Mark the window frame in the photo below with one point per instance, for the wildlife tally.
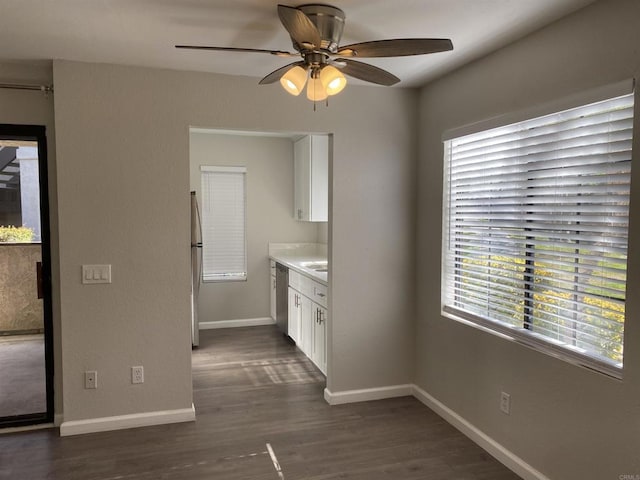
(522, 334)
(227, 276)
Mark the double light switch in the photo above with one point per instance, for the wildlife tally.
(96, 274)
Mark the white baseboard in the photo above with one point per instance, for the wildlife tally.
(58, 418)
(244, 322)
(504, 456)
(92, 425)
(352, 396)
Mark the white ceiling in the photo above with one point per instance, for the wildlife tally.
(144, 32)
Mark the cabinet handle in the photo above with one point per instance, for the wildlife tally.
(321, 295)
(39, 280)
(297, 301)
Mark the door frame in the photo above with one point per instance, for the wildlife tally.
(38, 133)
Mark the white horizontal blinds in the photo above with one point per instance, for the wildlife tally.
(223, 223)
(536, 226)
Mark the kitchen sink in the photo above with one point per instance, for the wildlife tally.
(320, 266)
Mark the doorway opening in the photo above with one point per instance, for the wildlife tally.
(26, 337)
(248, 185)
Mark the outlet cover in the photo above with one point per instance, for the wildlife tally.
(137, 374)
(505, 403)
(90, 379)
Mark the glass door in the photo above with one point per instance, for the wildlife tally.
(26, 360)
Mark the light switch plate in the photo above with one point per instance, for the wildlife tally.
(96, 274)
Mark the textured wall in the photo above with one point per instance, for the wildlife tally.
(566, 421)
(123, 178)
(20, 307)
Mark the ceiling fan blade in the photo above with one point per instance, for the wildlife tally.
(279, 53)
(276, 75)
(302, 30)
(400, 47)
(366, 72)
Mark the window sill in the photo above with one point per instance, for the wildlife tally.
(224, 279)
(534, 342)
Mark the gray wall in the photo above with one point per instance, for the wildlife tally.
(269, 162)
(568, 422)
(123, 175)
(34, 108)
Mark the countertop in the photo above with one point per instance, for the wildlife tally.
(296, 256)
(298, 264)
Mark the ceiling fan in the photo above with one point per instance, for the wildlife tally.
(316, 30)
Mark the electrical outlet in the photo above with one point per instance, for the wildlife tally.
(137, 374)
(505, 403)
(90, 379)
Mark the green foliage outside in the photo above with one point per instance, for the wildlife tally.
(12, 234)
(597, 325)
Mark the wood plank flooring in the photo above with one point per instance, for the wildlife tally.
(252, 388)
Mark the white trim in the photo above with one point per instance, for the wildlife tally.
(502, 454)
(367, 394)
(222, 169)
(571, 101)
(58, 418)
(119, 422)
(535, 342)
(243, 322)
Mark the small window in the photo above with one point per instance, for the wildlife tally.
(535, 231)
(224, 246)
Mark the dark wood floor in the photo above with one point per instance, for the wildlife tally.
(251, 388)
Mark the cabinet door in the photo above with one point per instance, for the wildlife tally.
(295, 312)
(306, 330)
(273, 297)
(319, 191)
(311, 185)
(302, 173)
(319, 355)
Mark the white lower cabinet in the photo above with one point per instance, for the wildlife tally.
(273, 297)
(295, 315)
(306, 327)
(308, 319)
(272, 266)
(319, 353)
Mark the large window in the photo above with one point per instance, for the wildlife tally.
(535, 231)
(224, 251)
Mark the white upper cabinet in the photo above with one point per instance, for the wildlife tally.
(311, 165)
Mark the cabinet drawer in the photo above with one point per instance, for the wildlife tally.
(295, 280)
(319, 294)
(313, 290)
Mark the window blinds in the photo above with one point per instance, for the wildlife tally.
(535, 232)
(223, 223)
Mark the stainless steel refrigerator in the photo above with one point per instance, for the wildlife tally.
(196, 268)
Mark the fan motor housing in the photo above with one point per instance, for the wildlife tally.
(328, 20)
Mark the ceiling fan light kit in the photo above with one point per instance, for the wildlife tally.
(332, 80)
(315, 91)
(315, 31)
(294, 80)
